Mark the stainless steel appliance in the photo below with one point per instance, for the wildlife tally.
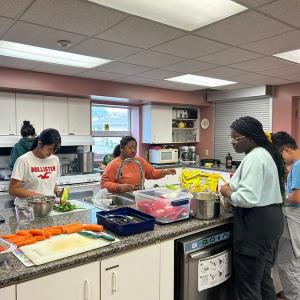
(184, 153)
(192, 154)
(84, 162)
(203, 265)
(163, 156)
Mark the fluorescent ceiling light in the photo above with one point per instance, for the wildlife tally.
(293, 55)
(106, 98)
(200, 80)
(185, 14)
(49, 56)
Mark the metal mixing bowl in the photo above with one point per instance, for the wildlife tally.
(42, 205)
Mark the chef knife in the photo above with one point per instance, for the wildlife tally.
(100, 235)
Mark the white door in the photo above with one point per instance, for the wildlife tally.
(131, 276)
(161, 124)
(8, 113)
(8, 293)
(80, 283)
(79, 116)
(56, 114)
(31, 108)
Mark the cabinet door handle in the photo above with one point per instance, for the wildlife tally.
(71, 133)
(86, 290)
(114, 282)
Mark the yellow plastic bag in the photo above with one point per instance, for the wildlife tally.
(198, 181)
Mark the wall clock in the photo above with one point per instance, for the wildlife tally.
(204, 123)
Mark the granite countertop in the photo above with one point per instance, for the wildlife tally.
(220, 168)
(19, 273)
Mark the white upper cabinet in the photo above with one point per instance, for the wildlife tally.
(157, 124)
(80, 283)
(132, 276)
(8, 114)
(8, 293)
(56, 114)
(31, 108)
(79, 116)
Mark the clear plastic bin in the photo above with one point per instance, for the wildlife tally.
(165, 205)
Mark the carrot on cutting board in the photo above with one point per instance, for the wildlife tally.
(28, 241)
(9, 236)
(93, 227)
(47, 234)
(35, 232)
(24, 233)
(16, 239)
(51, 227)
(71, 225)
(40, 237)
(72, 229)
(54, 231)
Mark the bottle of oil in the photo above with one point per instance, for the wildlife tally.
(228, 161)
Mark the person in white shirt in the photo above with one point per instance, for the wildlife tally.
(35, 172)
(255, 191)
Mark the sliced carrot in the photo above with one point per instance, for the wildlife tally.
(72, 229)
(24, 233)
(9, 236)
(40, 237)
(71, 224)
(17, 239)
(36, 232)
(93, 227)
(51, 227)
(28, 241)
(2, 248)
(48, 234)
(54, 231)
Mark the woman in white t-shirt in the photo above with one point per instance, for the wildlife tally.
(35, 172)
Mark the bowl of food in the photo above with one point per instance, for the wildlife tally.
(42, 205)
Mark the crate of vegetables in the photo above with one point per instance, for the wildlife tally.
(165, 205)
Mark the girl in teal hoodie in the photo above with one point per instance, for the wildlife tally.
(24, 144)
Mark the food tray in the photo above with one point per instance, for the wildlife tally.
(6, 246)
(141, 221)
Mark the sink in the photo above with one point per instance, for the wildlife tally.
(118, 200)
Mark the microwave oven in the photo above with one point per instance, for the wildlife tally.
(163, 156)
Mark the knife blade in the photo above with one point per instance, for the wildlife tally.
(100, 235)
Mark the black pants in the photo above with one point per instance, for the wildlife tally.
(256, 235)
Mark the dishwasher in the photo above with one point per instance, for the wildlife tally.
(203, 265)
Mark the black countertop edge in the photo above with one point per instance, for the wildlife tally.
(19, 273)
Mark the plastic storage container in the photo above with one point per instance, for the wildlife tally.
(125, 220)
(165, 205)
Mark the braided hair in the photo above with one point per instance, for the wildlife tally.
(253, 129)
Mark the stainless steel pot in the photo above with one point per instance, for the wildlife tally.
(205, 206)
(42, 205)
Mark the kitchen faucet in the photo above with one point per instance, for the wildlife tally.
(126, 161)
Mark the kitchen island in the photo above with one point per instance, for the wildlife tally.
(18, 273)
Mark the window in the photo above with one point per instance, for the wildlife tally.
(109, 125)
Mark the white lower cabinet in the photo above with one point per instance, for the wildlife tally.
(132, 276)
(8, 293)
(80, 283)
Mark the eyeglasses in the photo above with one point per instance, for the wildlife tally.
(233, 140)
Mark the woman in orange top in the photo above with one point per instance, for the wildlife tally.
(130, 177)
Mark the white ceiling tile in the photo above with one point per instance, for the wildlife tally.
(229, 56)
(103, 49)
(235, 86)
(122, 68)
(58, 69)
(40, 36)
(277, 44)
(245, 78)
(261, 64)
(152, 59)
(134, 80)
(221, 73)
(24, 64)
(190, 46)
(190, 66)
(140, 32)
(253, 3)
(270, 81)
(287, 11)
(243, 28)
(99, 75)
(291, 76)
(291, 69)
(13, 8)
(175, 86)
(158, 74)
(4, 25)
(77, 16)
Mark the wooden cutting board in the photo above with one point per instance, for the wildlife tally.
(61, 246)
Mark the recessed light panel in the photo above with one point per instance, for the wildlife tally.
(106, 98)
(49, 56)
(200, 80)
(293, 55)
(184, 14)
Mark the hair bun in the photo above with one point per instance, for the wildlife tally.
(26, 123)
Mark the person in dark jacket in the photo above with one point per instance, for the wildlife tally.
(24, 144)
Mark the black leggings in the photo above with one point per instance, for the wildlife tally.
(256, 234)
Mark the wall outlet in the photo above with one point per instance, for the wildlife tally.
(206, 152)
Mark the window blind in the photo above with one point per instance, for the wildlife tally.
(227, 112)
